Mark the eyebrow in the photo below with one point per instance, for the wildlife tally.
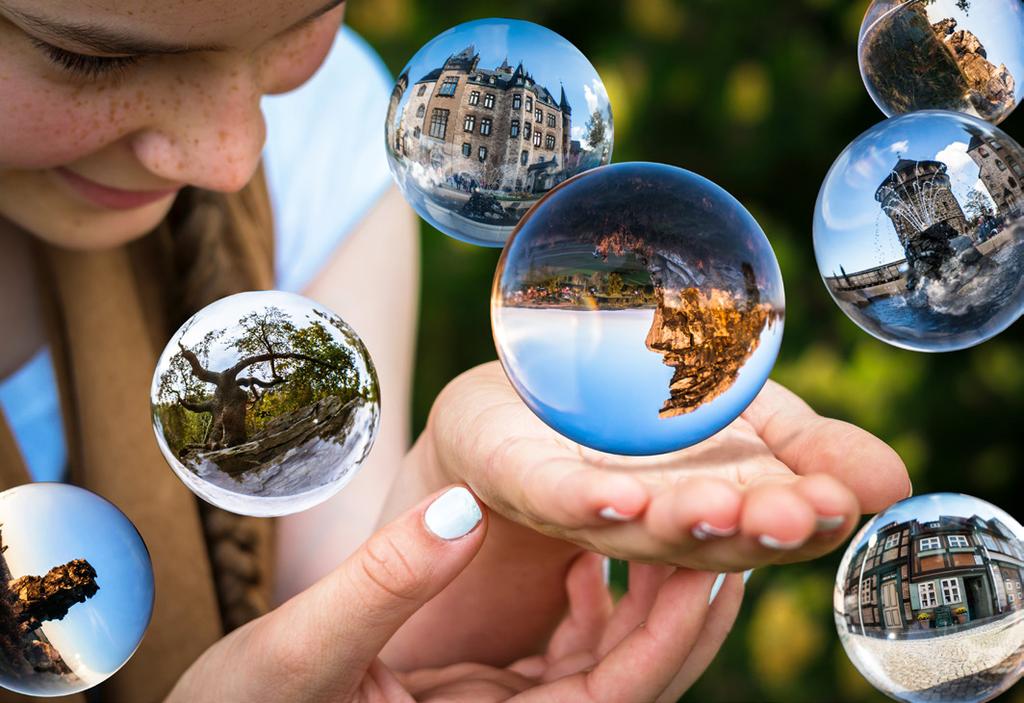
(107, 41)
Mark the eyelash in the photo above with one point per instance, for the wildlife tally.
(91, 67)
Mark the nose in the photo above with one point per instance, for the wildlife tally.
(213, 134)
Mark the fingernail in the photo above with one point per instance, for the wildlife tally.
(610, 513)
(746, 575)
(704, 530)
(606, 570)
(773, 543)
(453, 514)
(716, 587)
(911, 494)
(827, 523)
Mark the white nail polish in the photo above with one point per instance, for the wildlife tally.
(911, 494)
(610, 513)
(746, 575)
(832, 522)
(704, 530)
(453, 514)
(716, 587)
(606, 570)
(773, 543)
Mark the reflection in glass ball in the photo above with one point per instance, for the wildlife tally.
(962, 55)
(265, 403)
(486, 118)
(77, 589)
(928, 600)
(638, 308)
(919, 231)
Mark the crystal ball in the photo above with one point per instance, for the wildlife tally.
(918, 231)
(961, 55)
(638, 308)
(928, 600)
(265, 403)
(77, 589)
(486, 118)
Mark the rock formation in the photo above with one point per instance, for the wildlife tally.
(990, 88)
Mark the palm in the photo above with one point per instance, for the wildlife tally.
(651, 645)
(779, 484)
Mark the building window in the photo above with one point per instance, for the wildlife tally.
(526, 130)
(489, 101)
(529, 104)
(950, 591)
(517, 101)
(416, 133)
(865, 591)
(524, 157)
(958, 541)
(421, 110)
(467, 149)
(482, 154)
(551, 119)
(536, 137)
(485, 126)
(1009, 590)
(514, 129)
(474, 97)
(892, 540)
(538, 116)
(549, 141)
(469, 124)
(439, 122)
(1000, 165)
(983, 151)
(930, 543)
(422, 90)
(926, 592)
(449, 86)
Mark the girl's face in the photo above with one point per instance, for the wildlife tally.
(109, 107)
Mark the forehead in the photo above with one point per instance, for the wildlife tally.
(193, 21)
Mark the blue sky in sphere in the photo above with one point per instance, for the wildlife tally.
(552, 60)
(49, 524)
(850, 229)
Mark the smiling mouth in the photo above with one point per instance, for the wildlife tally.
(108, 197)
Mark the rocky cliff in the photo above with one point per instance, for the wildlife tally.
(990, 89)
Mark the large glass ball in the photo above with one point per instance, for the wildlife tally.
(265, 403)
(76, 589)
(928, 600)
(962, 55)
(919, 231)
(638, 308)
(486, 118)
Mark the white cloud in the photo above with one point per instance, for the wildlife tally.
(960, 166)
(595, 95)
(900, 147)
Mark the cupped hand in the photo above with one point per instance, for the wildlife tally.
(780, 484)
(650, 646)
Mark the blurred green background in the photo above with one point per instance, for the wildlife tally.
(760, 97)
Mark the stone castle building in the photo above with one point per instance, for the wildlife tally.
(496, 129)
(924, 575)
(917, 195)
(1002, 172)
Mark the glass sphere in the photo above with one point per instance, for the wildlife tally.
(265, 403)
(638, 308)
(961, 55)
(486, 118)
(919, 231)
(77, 589)
(928, 600)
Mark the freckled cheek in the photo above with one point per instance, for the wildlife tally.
(292, 63)
(47, 127)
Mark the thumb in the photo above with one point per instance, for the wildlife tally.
(356, 609)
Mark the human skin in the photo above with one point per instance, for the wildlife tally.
(192, 118)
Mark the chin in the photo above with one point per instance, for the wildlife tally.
(90, 229)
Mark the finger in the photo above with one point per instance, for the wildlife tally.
(641, 666)
(467, 681)
(518, 465)
(326, 636)
(590, 606)
(776, 517)
(809, 443)
(719, 622)
(645, 582)
(694, 511)
(386, 686)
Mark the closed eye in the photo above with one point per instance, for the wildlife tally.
(91, 67)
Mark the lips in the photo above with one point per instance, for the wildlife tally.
(111, 198)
